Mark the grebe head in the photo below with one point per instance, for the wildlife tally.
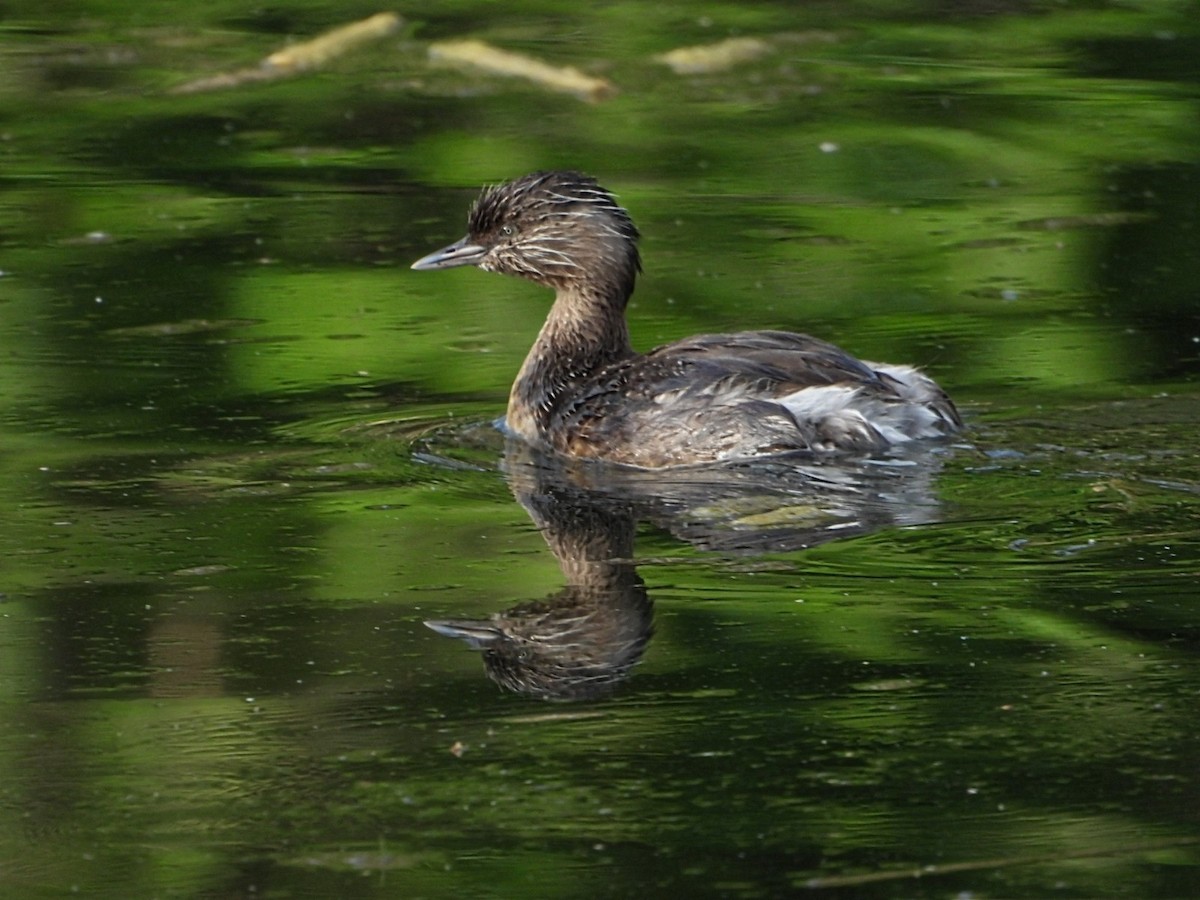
(559, 229)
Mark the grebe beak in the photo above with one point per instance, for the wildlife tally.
(478, 635)
(460, 253)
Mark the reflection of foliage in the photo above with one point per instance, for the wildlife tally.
(934, 158)
(914, 231)
(215, 568)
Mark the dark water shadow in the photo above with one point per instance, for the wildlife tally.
(583, 640)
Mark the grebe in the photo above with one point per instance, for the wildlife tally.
(583, 391)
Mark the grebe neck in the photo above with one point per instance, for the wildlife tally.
(584, 332)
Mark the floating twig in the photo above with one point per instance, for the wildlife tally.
(718, 57)
(495, 61)
(302, 57)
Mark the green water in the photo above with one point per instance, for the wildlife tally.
(246, 453)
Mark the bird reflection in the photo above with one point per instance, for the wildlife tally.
(579, 642)
(583, 640)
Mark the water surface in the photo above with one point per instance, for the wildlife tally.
(247, 454)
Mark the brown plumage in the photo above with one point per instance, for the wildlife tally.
(584, 392)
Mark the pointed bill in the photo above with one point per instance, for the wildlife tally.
(460, 253)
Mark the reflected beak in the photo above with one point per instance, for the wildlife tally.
(460, 253)
(479, 635)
